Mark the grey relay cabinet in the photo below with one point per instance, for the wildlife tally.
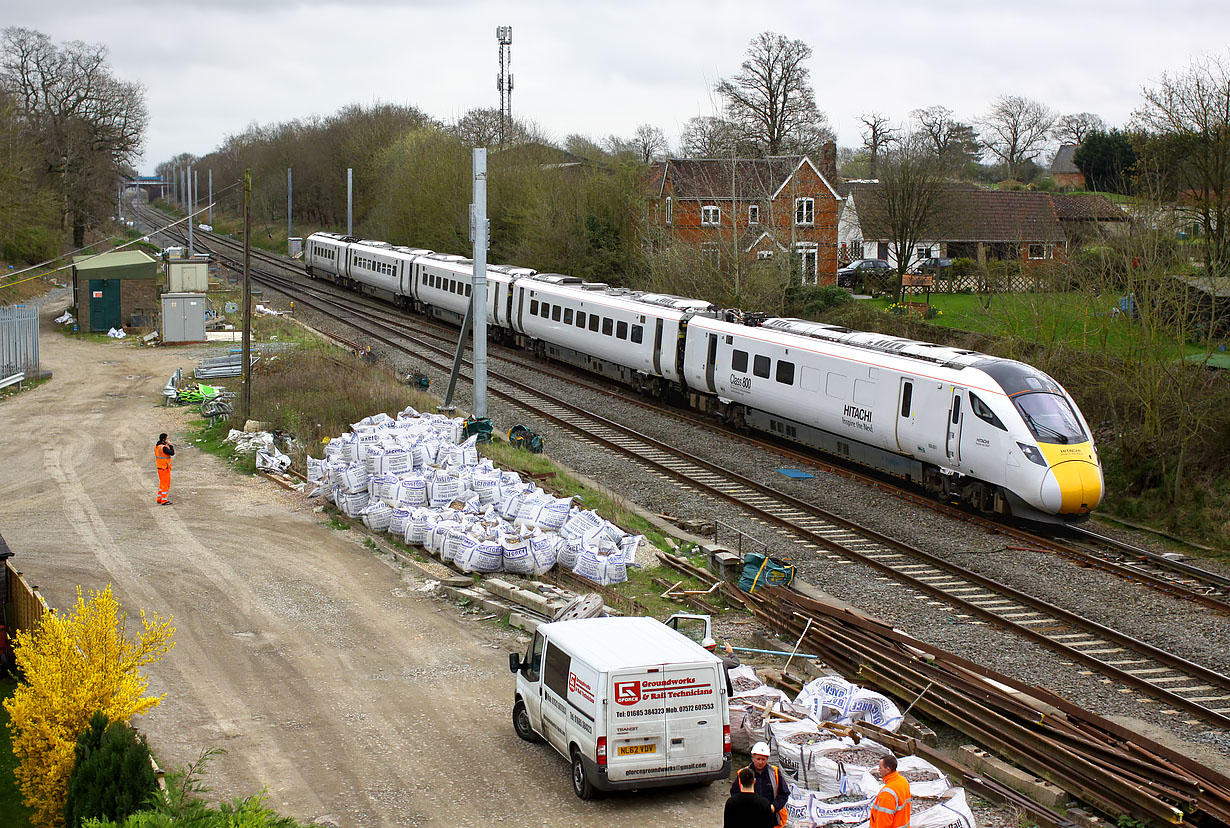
(183, 317)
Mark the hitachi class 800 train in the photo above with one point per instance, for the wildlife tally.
(996, 434)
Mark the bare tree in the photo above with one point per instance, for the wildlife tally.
(480, 127)
(1193, 109)
(953, 142)
(707, 136)
(910, 205)
(651, 142)
(771, 98)
(1075, 127)
(88, 123)
(878, 135)
(1016, 129)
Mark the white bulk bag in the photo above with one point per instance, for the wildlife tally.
(821, 812)
(398, 522)
(516, 553)
(315, 470)
(380, 486)
(954, 811)
(353, 479)
(484, 555)
(568, 552)
(924, 788)
(544, 512)
(353, 503)
(377, 515)
(418, 527)
(411, 491)
(606, 569)
(807, 763)
(628, 547)
(580, 523)
(442, 490)
(543, 553)
(372, 456)
(434, 541)
(875, 708)
(744, 679)
(486, 485)
(826, 698)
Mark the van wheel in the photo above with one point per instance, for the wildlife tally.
(521, 723)
(580, 782)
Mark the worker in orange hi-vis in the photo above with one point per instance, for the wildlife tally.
(163, 452)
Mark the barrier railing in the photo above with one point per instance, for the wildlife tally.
(19, 341)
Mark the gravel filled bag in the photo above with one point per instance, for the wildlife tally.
(568, 552)
(418, 526)
(486, 485)
(442, 490)
(926, 780)
(455, 542)
(953, 812)
(516, 553)
(353, 479)
(544, 512)
(605, 569)
(543, 553)
(804, 755)
(398, 521)
(377, 515)
(372, 456)
(315, 470)
(875, 708)
(397, 461)
(411, 491)
(353, 503)
(844, 810)
(380, 487)
(434, 541)
(628, 548)
(485, 554)
(827, 698)
(511, 506)
(744, 679)
(747, 715)
(580, 523)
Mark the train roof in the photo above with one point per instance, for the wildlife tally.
(574, 284)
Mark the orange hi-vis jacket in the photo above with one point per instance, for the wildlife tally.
(162, 460)
(891, 808)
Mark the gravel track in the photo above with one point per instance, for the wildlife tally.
(1106, 599)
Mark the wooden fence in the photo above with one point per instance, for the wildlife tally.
(25, 604)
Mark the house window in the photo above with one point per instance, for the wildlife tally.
(711, 252)
(805, 211)
(710, 215)
(1041, 251)
(753, 214)
(669, 210)
(764, 254)
(807, 262)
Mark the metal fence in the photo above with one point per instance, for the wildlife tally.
(18, 341)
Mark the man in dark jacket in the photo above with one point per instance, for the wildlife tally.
(746, 808)
(769, 781)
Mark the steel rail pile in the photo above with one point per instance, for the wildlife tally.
(1105, 765)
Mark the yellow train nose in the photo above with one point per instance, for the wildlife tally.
(1072, 488)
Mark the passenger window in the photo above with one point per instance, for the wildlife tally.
(544, 310)
(785, 372)
(580, 319)
(621, 330)
(555, 313)
(738, 361)
(567, 316)
(468, 289)
(607, 326)
(533, 307)
(638, 334)
(555, 673)
(534, 663)
(760, 366)
(983, 412)
(593, 323)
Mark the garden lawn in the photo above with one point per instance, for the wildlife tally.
(13, 814)
(1074, 320)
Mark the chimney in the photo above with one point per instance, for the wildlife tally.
(828, 161)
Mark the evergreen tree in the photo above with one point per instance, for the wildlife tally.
(112, 776)
(1106, 160)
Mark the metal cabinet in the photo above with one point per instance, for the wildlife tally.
(183, 317)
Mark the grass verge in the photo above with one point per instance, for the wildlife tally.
(13, 813)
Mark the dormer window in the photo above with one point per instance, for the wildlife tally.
(710, 215)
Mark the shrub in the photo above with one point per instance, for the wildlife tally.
(810, 300)
(31, 245)
(112, 776)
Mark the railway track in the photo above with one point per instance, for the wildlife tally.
(1135, 664)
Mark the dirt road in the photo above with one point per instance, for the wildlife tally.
(329, 678)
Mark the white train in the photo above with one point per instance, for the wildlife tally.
(994, 433)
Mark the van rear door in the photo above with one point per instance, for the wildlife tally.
(665, 720)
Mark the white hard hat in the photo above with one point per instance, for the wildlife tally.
(708, 643)
(760, 749)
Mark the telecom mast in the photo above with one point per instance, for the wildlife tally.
(504, 82)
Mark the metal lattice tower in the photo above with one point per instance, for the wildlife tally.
(504, 81)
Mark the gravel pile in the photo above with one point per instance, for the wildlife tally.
(863, 757)
(1106, 599)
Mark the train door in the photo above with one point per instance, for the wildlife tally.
(711, 362)
(905, 415)
(657, 347)
(956, 414)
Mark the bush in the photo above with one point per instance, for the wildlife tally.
(810, 300)
(31, 245)
(112, 776)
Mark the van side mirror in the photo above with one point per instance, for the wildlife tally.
(514, 662)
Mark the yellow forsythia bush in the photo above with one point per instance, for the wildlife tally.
(74, 664)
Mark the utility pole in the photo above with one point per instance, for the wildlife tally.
(349, 201)
(289, 190)
(191, 203)
(480, 234)
(246, 353)
(211, 198)
(504, 81)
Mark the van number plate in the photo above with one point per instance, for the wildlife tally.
(632, 750)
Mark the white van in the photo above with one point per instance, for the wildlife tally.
(632, 703)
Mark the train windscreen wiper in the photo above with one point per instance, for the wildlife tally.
(1036, 426)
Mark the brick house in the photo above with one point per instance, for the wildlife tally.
(979, 224)
(756, 208)
(1064, 170)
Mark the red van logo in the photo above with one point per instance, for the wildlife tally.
(627, 692)
(576, 685)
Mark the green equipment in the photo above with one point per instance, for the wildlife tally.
(521, 437)
(480, 427)
(762, 571)
(420, 381)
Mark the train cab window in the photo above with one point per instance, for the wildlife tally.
(983, 412)
(533, 307)
(738, 361)
(785, 372)
(638, 334)
(621, 330)
(593, 322)
(567, 316)
(608, 326)
(580, 319)
(555, 313)
(760, 366)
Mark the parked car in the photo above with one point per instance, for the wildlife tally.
(934, 266)
(853, 275)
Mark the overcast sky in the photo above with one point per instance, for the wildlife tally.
(212, 67)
